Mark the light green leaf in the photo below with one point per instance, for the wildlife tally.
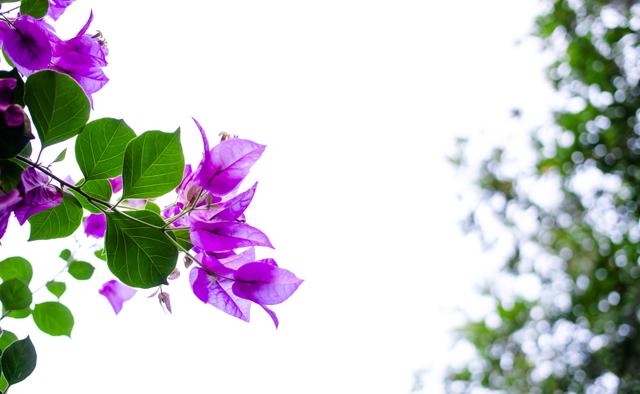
(138, 255)
(57, 222)
(18, 361)
(16, 268)
(57, 288)
(99, 188)
(35, 8)
(6, 339)
(53, 318)
(100, 148)
(58, 106)
(153, 165)
(153, 207)
(66, 255)
(81, 270)
(101, 254)
(15, 295)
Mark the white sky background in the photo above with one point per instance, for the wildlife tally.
(359, 103)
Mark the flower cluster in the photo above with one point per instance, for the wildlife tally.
(32, 45)
(34, 194)
(228, 275)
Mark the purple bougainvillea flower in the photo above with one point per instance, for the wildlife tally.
(12, 114)
(234, 208)
(238, 260)
(82, 58)
(116, 184)
(7, 203)
(28, 43)
(37, 195)
(95, 225)
(57, 8)
(224, 236)
(264, 283)
(117, 293)
(217, 292)
(7, 85)
(226, 164)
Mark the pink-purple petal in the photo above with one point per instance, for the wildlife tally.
(265, 284)
(95, 225)
(217, 292)
(116, 293)
(224, 236)
(235, 207)
(27, 44)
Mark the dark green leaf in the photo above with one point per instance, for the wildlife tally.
(16, 268)
(153, 165)
(53, 318)
(81, 270)
(100, 189)
(138, 255)
(18, 361)
(10, 173)
(35, 8)
(57, 222)
(15, 295)
(14, 139)
(57, 288)
(58, 105)
(100, 148)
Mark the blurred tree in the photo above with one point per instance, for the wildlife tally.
(581, 333)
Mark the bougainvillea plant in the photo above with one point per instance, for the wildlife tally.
(46, 90)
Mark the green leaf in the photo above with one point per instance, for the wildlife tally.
(66, 255)
(35, 8)
(183, 238)
(58, 105)
(57, 222)
(100, 189)
(53, 318)
(153, 165)
(100, 148)
(15, 295)
(56, 288)
(138, 255)
(10, 173)
(4, 53)
(101, 254)
(81, 270)
(19, 314)
(61, 156)
(153, 207)
(18, 361)
(16, 268)
(6, 339)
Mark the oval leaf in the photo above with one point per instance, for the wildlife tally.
(53, 318)
(15, 295)
(153, 165)
(99, 188)
(57, 222)
(138, 255)
(16, 268)
(57, 288)
(18, 361)
(35, 8)
(58, 105)
(81, 270)
(100, 148)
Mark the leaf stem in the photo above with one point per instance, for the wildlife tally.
(98, 203)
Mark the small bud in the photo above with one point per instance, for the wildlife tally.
(187, 261)
(174, 275)
(165, 300)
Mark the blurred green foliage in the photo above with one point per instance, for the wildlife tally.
(581, 333)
